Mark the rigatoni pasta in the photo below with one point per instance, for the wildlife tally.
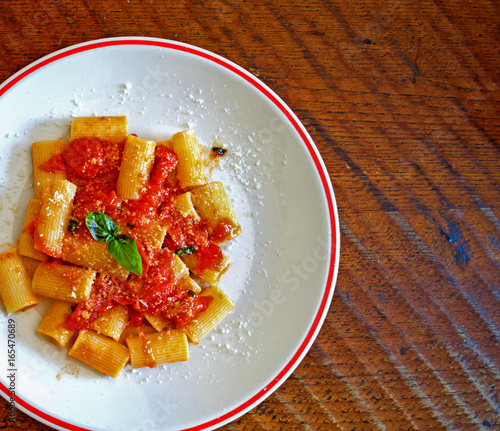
(54, 212)
(123, 236)
(78, 250)
(42, 152)
(52, 327)
(153, 235)
(100, 352)
(187, 283)
(158, 322)
(161, 348)
(113, 129)
(212, 274)
(113, 323)
(213, 206)
(138, 159)
(65, 282)
(30, 265)
(15, 284)
(184, 204)
(213, 315)
(191, 171)
(26, 245)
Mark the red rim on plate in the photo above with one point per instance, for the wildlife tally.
(321, 170)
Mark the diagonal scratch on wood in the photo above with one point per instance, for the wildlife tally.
(414, 64)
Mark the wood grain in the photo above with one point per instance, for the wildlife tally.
(402, 99)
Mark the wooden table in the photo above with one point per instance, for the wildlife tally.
(402, 99)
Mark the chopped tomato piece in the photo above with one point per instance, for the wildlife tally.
(84, 157)
(208, 257)
(54, 165)
(165, 162)
(222, 231)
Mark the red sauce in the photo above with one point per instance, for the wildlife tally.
(222, 231)
(93, 165)
(186, 232)
(165, 162)
(96, 196)
(86, 313)
(141, 212)
(55, 164)
(82, 157)
(113, 159)
(189, 308)
(158, 286)
(208, 257)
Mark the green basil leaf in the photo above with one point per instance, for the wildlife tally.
(219, 151)
(184, 251)
(101, 226)
(73, 225)
(124, 249)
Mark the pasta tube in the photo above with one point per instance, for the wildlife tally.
(53, 216)
(112, 323)
(91, 254)
(190, 168)
(187, 283)
(151, 236)
(211, 317)
(179, 268)
(42, 152)
(15, 285)
(184, 205)
(213, 206)
(52, 325)
(158, 348)
(100, 352)
(157, 321)
(212, 275)
(138, 159)
(26, 242)
(113, 129)
(64, 282)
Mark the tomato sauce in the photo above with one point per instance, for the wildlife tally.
(222, 231)
(208, 257)
(186, 232)
(165, 162)
(82, 158)
(141, 212)
(93, 165)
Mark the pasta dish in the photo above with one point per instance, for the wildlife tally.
(124, 236)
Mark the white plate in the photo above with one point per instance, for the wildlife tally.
(286, 260)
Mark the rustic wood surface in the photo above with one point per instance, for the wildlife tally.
(402, 99)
